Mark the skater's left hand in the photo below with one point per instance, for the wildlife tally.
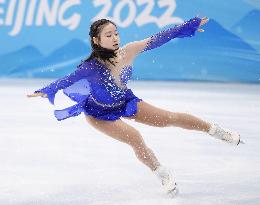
(37, 94)
(203, 21)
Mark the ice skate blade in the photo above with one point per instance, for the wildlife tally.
(241, 142)
(173, 193)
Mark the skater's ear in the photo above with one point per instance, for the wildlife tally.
(95, 40)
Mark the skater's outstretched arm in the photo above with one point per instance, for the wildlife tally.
(187, 29)
(85, 70)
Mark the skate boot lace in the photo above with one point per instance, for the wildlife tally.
(165, 179)
(225, 135)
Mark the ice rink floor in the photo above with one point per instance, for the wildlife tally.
(47, 162)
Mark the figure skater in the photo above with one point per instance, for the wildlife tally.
(99, 87)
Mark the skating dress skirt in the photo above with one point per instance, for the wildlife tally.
(95, 92)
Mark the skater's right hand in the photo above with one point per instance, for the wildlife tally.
(37, 94)
(204, 20)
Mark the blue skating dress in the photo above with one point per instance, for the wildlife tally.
(95, 90)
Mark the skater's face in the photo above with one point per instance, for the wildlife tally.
(108, 37)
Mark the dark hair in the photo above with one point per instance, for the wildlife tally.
(98, 51)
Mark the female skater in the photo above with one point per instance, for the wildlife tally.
(99, 86)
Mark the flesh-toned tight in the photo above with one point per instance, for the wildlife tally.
(149, 115)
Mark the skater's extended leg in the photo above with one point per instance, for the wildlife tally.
(123, 132)
(154, 116)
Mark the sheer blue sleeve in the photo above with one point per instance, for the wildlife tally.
(84, 71)
(187, 29)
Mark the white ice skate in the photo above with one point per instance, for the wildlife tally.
(224, 134)
(167, 181)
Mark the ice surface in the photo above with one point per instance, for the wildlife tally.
(44, 161)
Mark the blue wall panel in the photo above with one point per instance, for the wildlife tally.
(43, 38)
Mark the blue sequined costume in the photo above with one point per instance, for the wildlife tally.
(94, 89)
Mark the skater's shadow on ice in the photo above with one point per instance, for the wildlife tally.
(86, 194)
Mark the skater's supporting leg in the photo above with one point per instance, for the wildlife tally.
(154, 116)
(123, 132)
